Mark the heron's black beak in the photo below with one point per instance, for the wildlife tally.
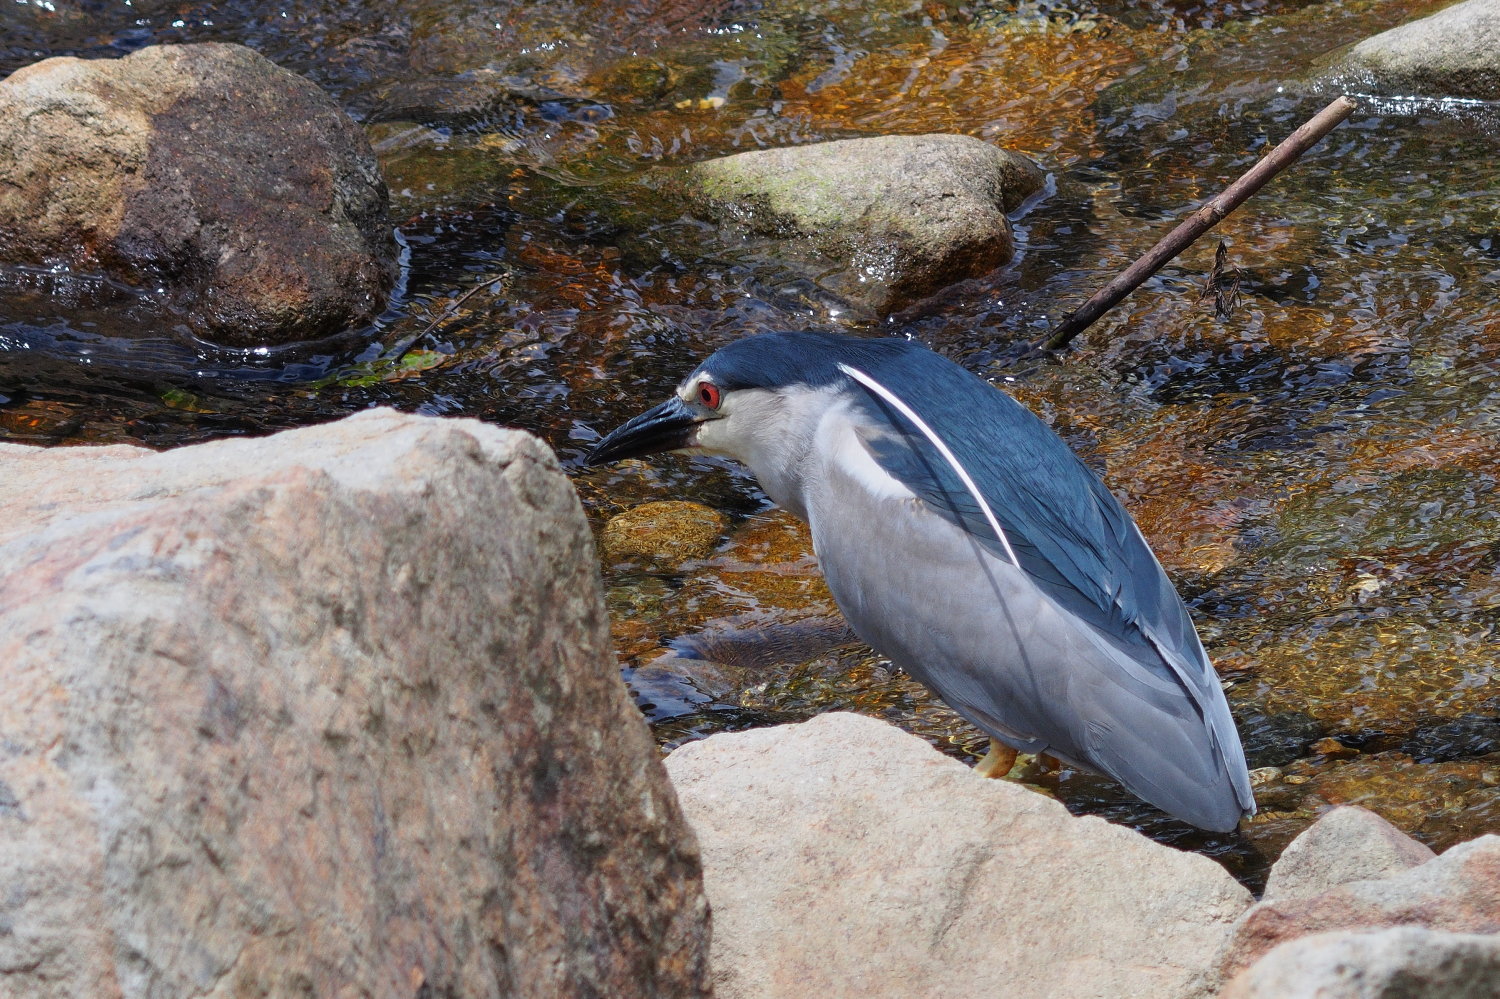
(661, 428)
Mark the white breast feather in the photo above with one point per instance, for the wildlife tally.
(838, 440)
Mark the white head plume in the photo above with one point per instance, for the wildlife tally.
(943, 449)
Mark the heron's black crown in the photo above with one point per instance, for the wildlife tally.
(804, 358)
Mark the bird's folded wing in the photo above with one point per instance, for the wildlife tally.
(1067, 531)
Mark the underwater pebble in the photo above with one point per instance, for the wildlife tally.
(662, 535)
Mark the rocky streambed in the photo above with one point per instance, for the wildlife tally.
(245, 671)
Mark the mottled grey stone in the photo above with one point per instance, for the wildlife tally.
(1453, 53)
(331, 712)
(846, 858)
(1456, 892)
(890, 219)
(1347, 844)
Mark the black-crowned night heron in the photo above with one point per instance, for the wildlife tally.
(964, 540)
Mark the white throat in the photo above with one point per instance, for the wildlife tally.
(773, 432)
(794, 440)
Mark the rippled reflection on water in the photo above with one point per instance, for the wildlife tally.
(1318, 472)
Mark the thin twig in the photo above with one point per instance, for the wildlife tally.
(403, 346)
(1205, 218)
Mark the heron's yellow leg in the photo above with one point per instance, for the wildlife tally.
(997, 762)
(1028, 767)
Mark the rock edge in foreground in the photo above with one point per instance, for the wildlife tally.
(844, 857)
(333, 712)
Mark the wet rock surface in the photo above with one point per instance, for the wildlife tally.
(843, 857)
(898, 217)
(283, 717)
(231, 193)
(1453, 53)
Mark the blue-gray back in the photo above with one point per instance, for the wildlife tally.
(1066, 529)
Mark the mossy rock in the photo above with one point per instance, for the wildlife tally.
(882, 221)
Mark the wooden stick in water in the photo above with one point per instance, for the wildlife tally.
(1205, 218)
(403, 347)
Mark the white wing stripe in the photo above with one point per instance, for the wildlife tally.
(937, 442)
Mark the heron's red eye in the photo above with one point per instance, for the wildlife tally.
(709, 395)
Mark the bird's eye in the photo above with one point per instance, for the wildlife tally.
(709, 395)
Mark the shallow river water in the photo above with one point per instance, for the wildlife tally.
(1318, 471)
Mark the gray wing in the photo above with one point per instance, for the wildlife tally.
(1001, 652)
(1069, 534)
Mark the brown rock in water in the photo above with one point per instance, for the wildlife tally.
(1347, 844)
(285, 716)
(774, 537)
(882, 221)
(844, 857)
(1457, 892)
(766, 576)
(235, 192)
(663, 534)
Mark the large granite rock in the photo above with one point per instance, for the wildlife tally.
(326, 713)
(1457, 892)
(1405, 962)
(1453, 53)
(235, 192)
(882, 221)
(843, 857)
(1347, 844)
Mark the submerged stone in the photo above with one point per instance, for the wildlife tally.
(1438, 803)
(765, 574)
(664, 534)
(1384, 677)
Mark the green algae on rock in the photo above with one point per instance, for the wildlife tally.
(891, 219)
(1453, 53)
